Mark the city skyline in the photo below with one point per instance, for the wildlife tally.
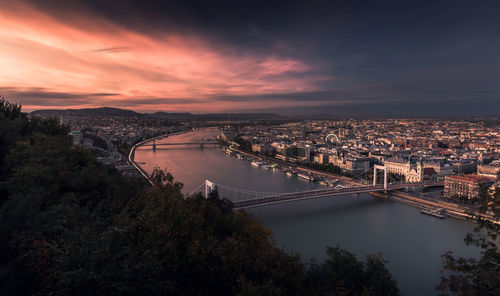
(357, 58)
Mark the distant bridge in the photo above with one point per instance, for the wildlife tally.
(201, 144)
(247, 199)
(179, 144)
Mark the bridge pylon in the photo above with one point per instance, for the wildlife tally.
(209, 186)
(154, 144)
(382, 168)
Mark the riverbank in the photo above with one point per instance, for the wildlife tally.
(452, 210)
(296, 166)
(131, 154)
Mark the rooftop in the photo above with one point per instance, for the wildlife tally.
(471, 178)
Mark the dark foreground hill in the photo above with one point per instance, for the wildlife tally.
(71, 226)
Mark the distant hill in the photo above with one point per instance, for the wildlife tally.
(168, 115)
(216, 116)
(185, 116)
(104, 111)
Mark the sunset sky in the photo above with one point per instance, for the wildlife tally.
(365, 58)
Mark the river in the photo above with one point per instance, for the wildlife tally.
(412, 243)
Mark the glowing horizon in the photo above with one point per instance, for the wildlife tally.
(81, 65)
(361, 58)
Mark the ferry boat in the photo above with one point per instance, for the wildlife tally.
(438, 213)
(289, 174)
(265, 166)
(323, 182)
(305, 177)
(256, 164)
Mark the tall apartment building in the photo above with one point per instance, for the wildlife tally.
(465, 185)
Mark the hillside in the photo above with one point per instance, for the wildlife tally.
(104, 111)
(72, 226)
(217, 116)
(116, 112)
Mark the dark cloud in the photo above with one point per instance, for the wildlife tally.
(152, 101)
(377, 93)
(389, 56)
(44, 97)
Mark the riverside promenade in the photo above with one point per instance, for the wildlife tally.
(452, 209)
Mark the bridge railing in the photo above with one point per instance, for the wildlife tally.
(241, 196)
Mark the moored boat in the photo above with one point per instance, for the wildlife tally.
(265, 166)
(305, 177)
(438, 213)
(256, 163)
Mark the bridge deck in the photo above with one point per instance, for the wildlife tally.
(295, 196)
(172, 144)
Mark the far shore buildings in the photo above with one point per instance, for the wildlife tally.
(262, 148)
(353, 165)
(465, 185)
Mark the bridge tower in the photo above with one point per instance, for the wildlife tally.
(209, 186)
(382, 168)
(154, 144)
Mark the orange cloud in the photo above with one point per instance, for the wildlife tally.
(94, 56)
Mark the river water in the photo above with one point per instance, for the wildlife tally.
(412, 243)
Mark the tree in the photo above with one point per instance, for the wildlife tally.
(343, 274)
(462, 276)
(72, 226)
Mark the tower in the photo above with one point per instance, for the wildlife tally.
(420, 170)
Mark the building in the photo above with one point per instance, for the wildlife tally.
(411, 172)
(304, 153)
(353, 165)
(442, 170)
(464, 166)
(465, 185)
(285, 150)
(319, 158)
(489, 170)
(262, 148)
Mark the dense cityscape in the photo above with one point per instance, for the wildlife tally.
(267, 148)
(463, 154)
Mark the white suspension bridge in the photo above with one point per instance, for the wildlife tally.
(242, 198)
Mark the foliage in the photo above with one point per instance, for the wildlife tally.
(245, 145)
(343, 274)
(96, 140)
(72, 226)
(469, 276)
